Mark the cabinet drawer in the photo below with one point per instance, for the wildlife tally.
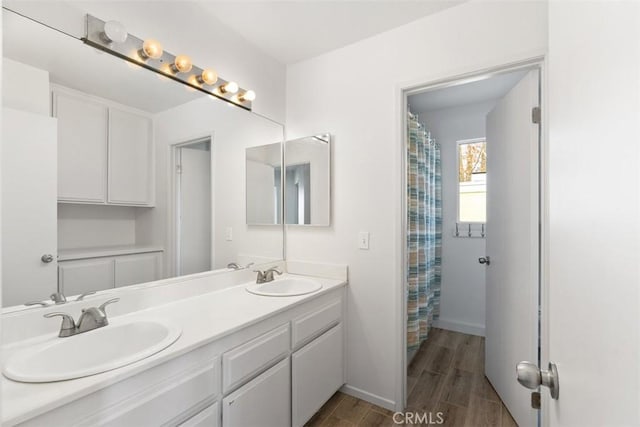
(247, 360)
(167, 401)
(263, 402)
(313, 324)
(317, 372)
(208, 417)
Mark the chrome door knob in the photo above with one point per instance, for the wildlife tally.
(484, 260)
(46, 258)
(530, 376)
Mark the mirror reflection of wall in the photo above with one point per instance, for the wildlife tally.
(263, 200)
(97, 158)
(308, 180)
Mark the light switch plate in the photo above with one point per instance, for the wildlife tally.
(363, 240)
(228, 234)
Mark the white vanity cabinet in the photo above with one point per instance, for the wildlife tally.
(105, 151)
(276, 372)
(77, 276)
(85, 275)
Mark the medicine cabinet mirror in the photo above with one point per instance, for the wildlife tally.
(307, 181)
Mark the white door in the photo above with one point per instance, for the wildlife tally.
(512, 244)
(594, 208)
(194, 210)
(29, 203)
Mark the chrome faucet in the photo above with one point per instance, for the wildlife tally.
(90, 319)
(58, 298)
(267, 275)
(237, 266)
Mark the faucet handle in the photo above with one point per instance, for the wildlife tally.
(41, 303)
(67, 321)
(106, 303)
(81, 296)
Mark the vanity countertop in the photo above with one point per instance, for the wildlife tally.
(204, 318)
(105, 251)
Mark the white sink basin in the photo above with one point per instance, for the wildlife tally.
(285, 287)
(89, 353)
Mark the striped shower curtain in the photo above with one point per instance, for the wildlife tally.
(424, 232)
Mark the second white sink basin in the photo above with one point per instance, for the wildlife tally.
(285, 287)
(92, 352)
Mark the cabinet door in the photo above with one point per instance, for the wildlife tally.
(264, 401)
(77, 277)
(208, 417)
(130, 158)
(82, 148)
(134, 269)
(317, 372)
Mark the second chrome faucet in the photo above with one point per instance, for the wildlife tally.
(90, 319)
(267, 275)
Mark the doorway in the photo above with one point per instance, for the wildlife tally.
(193, 198)
(481, 265)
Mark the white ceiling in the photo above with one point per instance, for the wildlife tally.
(470, 93)
(294, 30)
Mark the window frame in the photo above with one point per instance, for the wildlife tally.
(458, 144)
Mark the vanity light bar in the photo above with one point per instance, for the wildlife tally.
(150, 55)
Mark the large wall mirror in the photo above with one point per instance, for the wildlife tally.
(113, 175)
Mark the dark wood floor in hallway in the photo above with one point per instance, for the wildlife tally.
(446, 376)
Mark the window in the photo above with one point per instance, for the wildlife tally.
(472, 180)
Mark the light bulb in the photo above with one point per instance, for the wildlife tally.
(229, 87)
(151, 49)
(208, 76)
(114, 32)
(182, 64)
(248, 95)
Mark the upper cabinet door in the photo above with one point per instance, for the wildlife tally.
(82, 148)
(130, 158)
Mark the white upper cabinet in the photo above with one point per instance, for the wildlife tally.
(130, 158)
(82, 148)
(105, 151)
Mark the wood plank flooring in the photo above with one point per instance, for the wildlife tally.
(446, 375)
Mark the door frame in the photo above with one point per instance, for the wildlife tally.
(403, 91)
(173, 253)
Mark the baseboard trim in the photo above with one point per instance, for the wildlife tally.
(463, 327)
(369, 397)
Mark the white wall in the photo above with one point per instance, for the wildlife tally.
(25, 88)
(354, 93)
(594, 210)
(182, 27)
(232, 130)
(462, 305)
(87, 226)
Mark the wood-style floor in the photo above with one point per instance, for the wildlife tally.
(446, 376)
